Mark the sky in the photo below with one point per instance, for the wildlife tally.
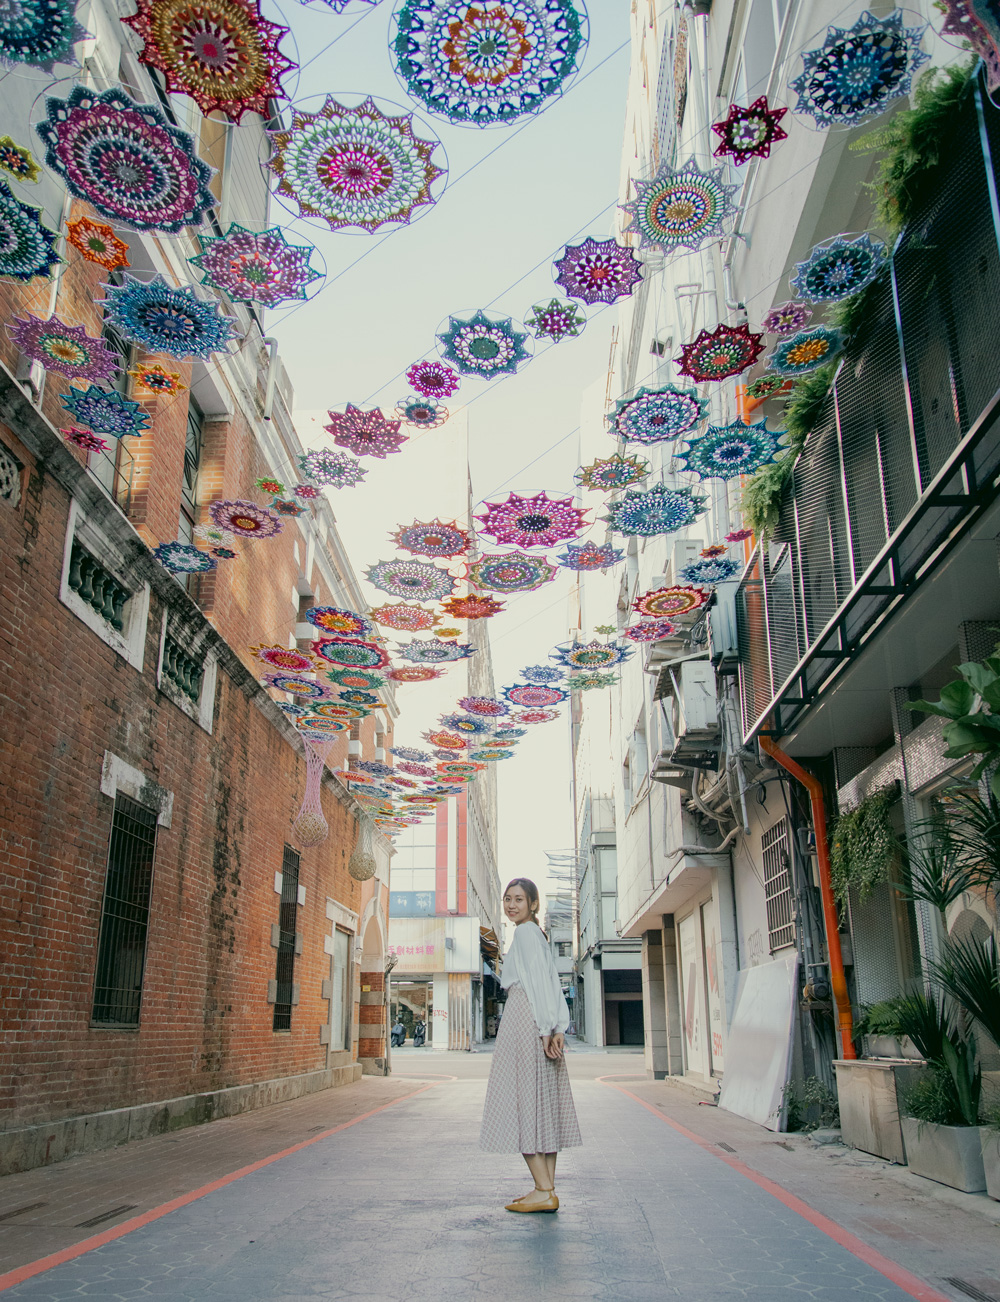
(515, 196)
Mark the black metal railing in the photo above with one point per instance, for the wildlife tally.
(121, 948)
(181, 670)
(97, 587)
(904, 457)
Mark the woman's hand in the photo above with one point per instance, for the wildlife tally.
(553, 1045)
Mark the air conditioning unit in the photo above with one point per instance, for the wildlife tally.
(666, 771)
(695, 714)
(657, 654)
(723, 639)
(687, 551)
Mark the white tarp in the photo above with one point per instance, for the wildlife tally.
(760, 1042)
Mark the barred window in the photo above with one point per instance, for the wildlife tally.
(121, 948)
(778, 886)
(284, 975)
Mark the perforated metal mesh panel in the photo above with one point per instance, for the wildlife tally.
(918, 378)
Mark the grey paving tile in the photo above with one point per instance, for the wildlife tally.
(404, 1208)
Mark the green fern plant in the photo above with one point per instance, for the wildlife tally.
(915, 143)
(863, 845)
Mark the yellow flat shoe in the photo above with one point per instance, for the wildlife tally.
(550, 1204)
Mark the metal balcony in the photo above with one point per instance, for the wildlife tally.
(905, 459)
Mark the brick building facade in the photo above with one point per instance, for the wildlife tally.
(171, 952)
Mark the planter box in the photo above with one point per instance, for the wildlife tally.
(869, 1103)
(991, 1159)
(951, 1155)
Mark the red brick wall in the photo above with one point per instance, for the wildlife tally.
(205, 1019)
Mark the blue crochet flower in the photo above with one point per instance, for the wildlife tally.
(657, 510)
(166, 320)
(725, 451)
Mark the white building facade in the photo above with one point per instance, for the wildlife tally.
(723, 742)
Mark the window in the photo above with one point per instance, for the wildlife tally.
(340, 1002)
(114, 470)
(10, 477)
(98, 585)
(121, 948)
(187, 673)
(193, 443)
(778, 886)
(564, 948)
(285, 993)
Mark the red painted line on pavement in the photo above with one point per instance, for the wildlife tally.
(22, 1273)
(902, 1278)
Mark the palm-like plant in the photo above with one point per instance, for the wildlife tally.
(939, 1033)
(968, 973)
(939, 873)
(972, 829)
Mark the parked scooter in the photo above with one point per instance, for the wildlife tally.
(419, 1035)
(398, 1036)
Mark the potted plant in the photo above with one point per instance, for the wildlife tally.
(989, 1135)
(970, 975)
(870, 1088)
(941, 1122)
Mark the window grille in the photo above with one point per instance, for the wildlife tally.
(97, 587)
(121, 949)
(778, 886)
(193, 444)
(10, 477)
(287, 917)
(182, 670)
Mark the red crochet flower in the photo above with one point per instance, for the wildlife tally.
(726, 351)
(471, 607)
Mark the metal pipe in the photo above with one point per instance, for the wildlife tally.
(838, 979)
(272, 376)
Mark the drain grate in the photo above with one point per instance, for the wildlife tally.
(970, 1290)
(728, 1147)
(19, 1211)
(106, 1216)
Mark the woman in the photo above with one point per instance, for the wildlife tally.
(529, 1105)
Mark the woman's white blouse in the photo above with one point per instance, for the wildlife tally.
(529, 964)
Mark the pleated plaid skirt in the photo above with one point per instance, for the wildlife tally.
(529, 1104)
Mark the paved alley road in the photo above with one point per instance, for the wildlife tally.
(401, 1204)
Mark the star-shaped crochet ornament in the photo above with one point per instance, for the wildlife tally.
(726, 451)
(64, 348)
(153, 378)
(471, 607)
(598, 271)
(589, 556)
(717, 354)
(365, 433)
(17, 161)
(655, 511)
(107, 412)
(611, 473)
(440, 539)
(859, 71)
(680, 208)
(749, 132)
(555, 320)
(539, 521)
(222, 53)
(484, 345)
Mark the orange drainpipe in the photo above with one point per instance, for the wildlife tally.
(838, 981)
